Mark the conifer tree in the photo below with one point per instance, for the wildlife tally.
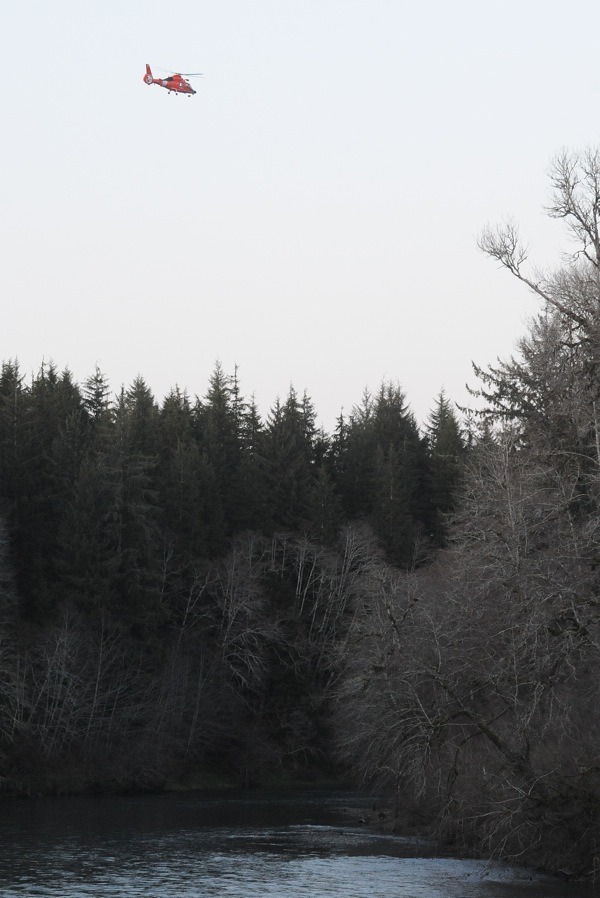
(142, 419)
(12, 409)
(53, 404)
(179, 481)
(381, 471)
(289, 458)
(392, 518)
(110, 537)
(354, 447)
(175, 421)
(218, 423)
(133, 514)
(446, 460)
(96, 399)
(252, 507)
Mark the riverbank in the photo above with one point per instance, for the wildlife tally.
(372, 813)
(272, 843)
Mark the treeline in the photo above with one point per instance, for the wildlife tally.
(106, 500)
(178, 577)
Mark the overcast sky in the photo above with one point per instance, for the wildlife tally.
(311, 215)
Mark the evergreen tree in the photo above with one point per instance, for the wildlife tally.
(382, 472)
(392, 519)
(52, 416)
(142, 419)
(253, 500)
(289, 461)
(218, 422)
(12, 410)
(175, 422)
(180, 493)
(189, 499)
(96, 400)
(110, 538)
(446, 460)
(353, 448)
(133, 514)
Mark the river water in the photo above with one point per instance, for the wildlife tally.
(268, 844)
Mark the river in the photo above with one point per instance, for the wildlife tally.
(257, 843)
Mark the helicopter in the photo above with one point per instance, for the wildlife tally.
(175, 82)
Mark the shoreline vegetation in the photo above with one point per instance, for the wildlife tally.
(186, 587)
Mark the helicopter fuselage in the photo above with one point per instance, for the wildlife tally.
(176, 83)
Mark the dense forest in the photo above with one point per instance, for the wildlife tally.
(177, 578)
(187, 588)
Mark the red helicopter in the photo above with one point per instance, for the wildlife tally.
(174, 82)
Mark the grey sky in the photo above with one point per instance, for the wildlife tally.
(310, 215)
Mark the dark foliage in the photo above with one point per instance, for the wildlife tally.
(178, 577)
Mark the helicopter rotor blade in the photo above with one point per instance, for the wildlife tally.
(175, 72)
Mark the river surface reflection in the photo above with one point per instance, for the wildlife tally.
(252, 844)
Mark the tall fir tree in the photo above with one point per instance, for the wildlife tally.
(446, 463)
(289, 451)
(53, 414)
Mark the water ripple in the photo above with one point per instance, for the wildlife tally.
(98, 850)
